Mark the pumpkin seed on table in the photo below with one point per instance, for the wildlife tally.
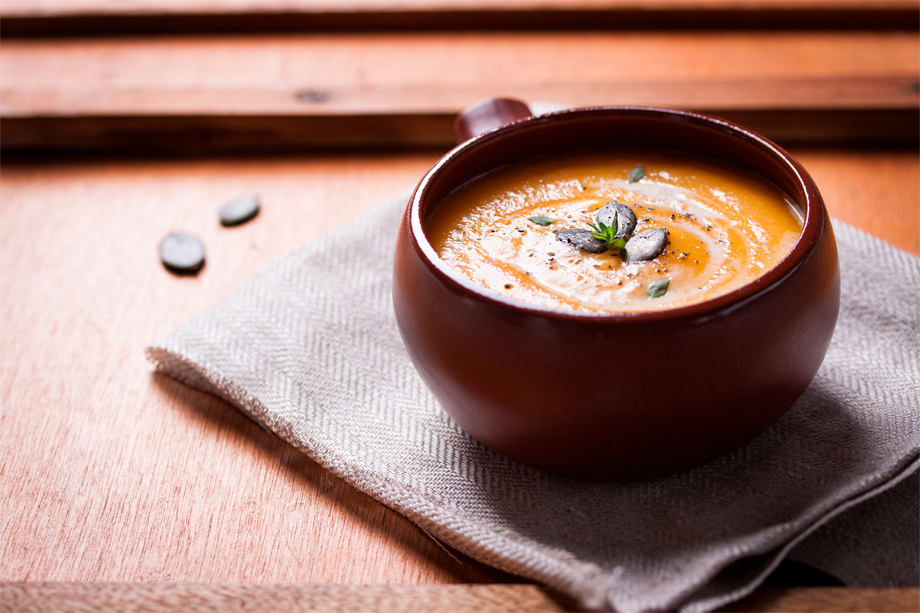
(582, 239)
(239, 211)
(182, 253)
(625, 218)
(645, 245)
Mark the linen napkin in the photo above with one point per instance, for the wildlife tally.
(309, 349)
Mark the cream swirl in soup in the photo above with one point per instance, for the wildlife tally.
(725, 228)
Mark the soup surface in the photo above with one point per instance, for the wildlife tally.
(724, 228)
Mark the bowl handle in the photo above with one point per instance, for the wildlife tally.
(488, 114)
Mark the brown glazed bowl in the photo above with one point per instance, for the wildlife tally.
(549, 388)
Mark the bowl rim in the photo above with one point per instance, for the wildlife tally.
(813, 224)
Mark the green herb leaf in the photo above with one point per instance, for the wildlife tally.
(618, 244)
(635, 174)
(541, 220)
(604, 232)
(599, 232)
(658, 288)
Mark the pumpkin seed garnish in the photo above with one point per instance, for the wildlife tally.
(582, 239)
(616, 213)
(645, 245)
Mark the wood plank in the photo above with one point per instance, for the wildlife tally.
(203, 598)
(102, 17)
(889, 195)
(836, 599)
(166, 135)
(111, 474)
(893, 92)
(218, 94)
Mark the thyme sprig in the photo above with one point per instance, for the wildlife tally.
(606, 233)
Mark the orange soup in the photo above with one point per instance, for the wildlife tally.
(509, 231)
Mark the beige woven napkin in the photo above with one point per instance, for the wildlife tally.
(309, 349)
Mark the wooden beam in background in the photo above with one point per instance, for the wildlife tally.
(154, 134)
(43, 18)
(239, 94)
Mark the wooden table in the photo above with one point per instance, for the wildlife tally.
(122, 488)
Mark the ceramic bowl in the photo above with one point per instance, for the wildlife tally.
(546, 387)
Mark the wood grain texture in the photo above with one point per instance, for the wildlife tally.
(112, 474)
(876, 191)
(217, 94)
(120, 488)
(205, 598)
(831, 600)
(24, 18)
